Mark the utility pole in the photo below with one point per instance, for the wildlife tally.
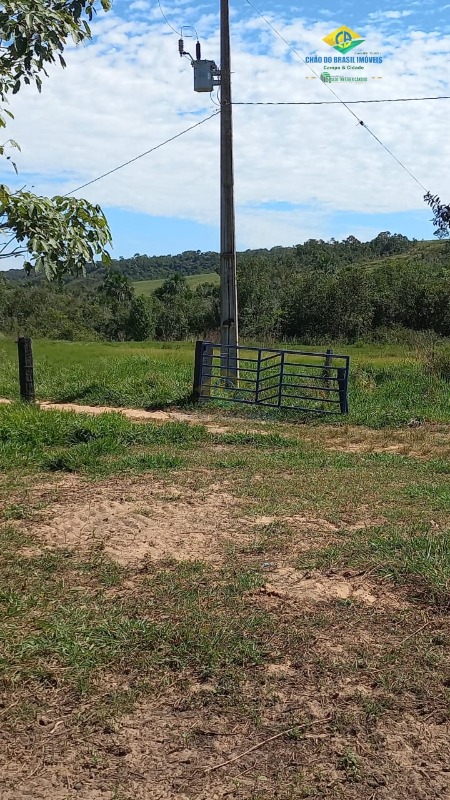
(229, 334)
(206, 77)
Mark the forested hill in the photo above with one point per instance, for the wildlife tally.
(313, 254)
(143, 268)
(318, 291)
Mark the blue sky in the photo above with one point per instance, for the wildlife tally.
(301, 171)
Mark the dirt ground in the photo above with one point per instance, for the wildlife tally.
(324, 725)
(136, 520)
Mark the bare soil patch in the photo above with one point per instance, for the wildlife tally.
(315, 587)
(426, 440)
(298, 521)
(139, 415)
(339, 737)
(134, 521)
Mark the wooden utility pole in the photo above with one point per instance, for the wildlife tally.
(228, 292)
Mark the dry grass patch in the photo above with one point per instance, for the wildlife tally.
(418, 440)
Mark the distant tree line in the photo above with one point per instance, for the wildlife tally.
(315, 253)
(110, 310)
(317, 291)
(137, 268)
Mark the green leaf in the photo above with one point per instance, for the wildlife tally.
(61, 235)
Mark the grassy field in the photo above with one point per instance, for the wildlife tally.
(148, 287)
(389, 384)
(252, 610)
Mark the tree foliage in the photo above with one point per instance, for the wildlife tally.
(283, 295)
(58, 235)
(34, 34)
(441, 215)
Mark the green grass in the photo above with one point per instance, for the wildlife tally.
(306, 479)
(31, 440)
(388, 386)
(148, 287)
(417, 559)
(133, 374)
(182, 617)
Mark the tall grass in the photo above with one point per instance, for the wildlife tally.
(140, 376)
(68, 442)
(390, 385)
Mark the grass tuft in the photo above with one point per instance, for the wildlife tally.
(60, 441)
(418, 560)
(185, 616)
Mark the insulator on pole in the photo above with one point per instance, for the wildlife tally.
(198, 51)
(181, 47)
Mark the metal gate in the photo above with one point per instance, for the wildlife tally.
(289, 379)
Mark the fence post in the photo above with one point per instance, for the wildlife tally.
(258, 376)
(26, 371)
(342, 383)
(207, 369)
(281, 384)
(198, 368)
(327, 370)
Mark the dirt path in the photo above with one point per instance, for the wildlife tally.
(136, 414)
(422, 440)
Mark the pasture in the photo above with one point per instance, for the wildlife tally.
(148, 287)
(219, 603)
(389, 384)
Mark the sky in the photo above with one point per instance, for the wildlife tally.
(301, 172)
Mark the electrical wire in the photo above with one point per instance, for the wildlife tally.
(217, 103)
(147, 152)
(165, 18)
(342, 102)
(188, 35)
(184, 27)
(338, 101)
(334, 102)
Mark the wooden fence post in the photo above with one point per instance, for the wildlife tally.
(26, 370)
(342, 383)
(197, 388)
(203, 360)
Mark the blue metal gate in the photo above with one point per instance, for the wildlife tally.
(289, 379)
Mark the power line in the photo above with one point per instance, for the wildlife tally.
(165, 18)
(346, 104)
(147, 152)
(334, 102)
(183, 27)
(291, 47)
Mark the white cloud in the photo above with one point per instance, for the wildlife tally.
(129, 90)
(139, 5)
(383, 15)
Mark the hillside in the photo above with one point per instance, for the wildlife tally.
(141, 267)
(148, 287)
(313, 254)
(316, 292)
